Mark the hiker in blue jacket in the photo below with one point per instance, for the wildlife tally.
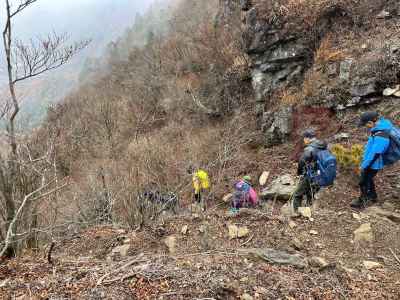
(378, 143)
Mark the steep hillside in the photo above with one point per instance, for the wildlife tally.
(227, 86)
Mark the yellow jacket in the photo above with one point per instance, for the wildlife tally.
(201, 181)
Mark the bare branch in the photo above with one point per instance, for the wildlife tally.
(24, 4)
(43, 54)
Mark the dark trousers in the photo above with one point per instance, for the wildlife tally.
(305, 188)
(367, 185)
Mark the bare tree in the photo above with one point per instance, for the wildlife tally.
(25, 61)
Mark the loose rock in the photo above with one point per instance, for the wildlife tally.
(275, 257)
(318, 262)
(305, 212)
(184, 230)
(363, 233)
(297, 244)
(282, 188)
(263, 178)
(170, 242)
(122, 250)
(371, 265)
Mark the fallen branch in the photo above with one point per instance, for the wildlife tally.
(246, 242)
(136, 260)
(394, 255)
(49, 253)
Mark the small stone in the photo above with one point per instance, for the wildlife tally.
(388, 206)
(263, 178)
(305, 212)
(363, 233)
(202, 228)
(389, 92)
(384, 14)
(170, 242)
(246, 296)
(232, 231)
(356, 216)
(244, 279)
(243, 232)
(297, 244)
(371, 265)
(286, 210)
(313, 232)
(122, 250)
(292, 224)
(184, 230)
(227, 198)
(318, 262)
(261, 290)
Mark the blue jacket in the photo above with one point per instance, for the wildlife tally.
(376, 146)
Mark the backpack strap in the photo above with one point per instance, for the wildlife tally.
(381, 133)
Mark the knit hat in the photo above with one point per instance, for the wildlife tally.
(309, 133)
(367, 117)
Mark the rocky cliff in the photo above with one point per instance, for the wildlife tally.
(335, 55)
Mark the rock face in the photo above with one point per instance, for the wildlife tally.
(280, 57)
(282, 188)
(277, 126)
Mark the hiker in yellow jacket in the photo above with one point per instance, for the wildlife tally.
(201, 184)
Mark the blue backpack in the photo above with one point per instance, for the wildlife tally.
(392, 154)
(326, 169)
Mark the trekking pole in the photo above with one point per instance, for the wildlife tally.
(290, 201)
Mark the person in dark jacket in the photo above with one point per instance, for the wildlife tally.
(378, 143)
(307, 162)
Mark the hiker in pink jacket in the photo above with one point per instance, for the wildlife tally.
(244, 195)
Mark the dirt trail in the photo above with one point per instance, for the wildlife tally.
(206, 264)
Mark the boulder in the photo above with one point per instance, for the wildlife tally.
(282, 188)
(273, 256)
(170, 242)
(364, 233)
(371, 265)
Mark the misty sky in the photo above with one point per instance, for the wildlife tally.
(81, 18)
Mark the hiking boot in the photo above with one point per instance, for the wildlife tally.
(373, 198)
(360, 202)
